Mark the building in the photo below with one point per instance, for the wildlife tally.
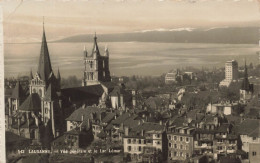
(38, 114)
(231, 73)
(248, 130)
(247, 89)
(96, 66)
(180, 142)
(177, 76)
(205, 135)
(172, 77)
(142, 142)
(225, 143)
(223, 108)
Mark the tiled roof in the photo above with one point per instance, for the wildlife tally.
(255, 133)
(109, 85)
(121, 118)
(131, 122)
(148, 126)
(108, 117)
(223, 128)
(155, 102)
(248, 126)
(85, 112)
(32, 103)
(95, 90)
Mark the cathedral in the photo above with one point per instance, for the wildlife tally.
(96, 66)
(40, 112)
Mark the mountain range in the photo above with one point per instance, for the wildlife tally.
(224, 35)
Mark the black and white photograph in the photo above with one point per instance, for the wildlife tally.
(130, 81)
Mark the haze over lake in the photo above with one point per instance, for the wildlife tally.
(127, 58)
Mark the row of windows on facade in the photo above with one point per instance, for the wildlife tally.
(179, 154)
(155, 135)
(228, 148)
(140, 141)
(91, 63)
(134, 149)
(176, 146)
(253, 153)
(178, 138)
(37, 82)
(228, 141)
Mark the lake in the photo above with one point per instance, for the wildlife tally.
(127, 58)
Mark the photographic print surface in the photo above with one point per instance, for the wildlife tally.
(130, 81)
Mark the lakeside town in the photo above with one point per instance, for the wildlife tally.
(184, 115)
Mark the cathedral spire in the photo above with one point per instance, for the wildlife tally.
(44, 67)
(95, 50)
(245, 83)
(31, 75)
(58, 74)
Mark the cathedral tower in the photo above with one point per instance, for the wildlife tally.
(47, 85)
(96, 66)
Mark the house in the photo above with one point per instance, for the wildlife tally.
(76, 138)
(247, 130)
(223, 108)
(145, 138)
(180, 142)
(225, 142)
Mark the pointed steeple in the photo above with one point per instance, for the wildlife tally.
(106, 51)
(245, 84)
(44, 67)
(31, 75)
(58, 74)
(95, 50)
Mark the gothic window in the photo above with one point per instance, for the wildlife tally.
(91, 64)
(34, 90)
(46, 111)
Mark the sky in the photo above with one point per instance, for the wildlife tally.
(23, 19)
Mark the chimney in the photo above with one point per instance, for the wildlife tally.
(82, 118)
(133, 101)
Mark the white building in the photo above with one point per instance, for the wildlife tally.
(231, 73)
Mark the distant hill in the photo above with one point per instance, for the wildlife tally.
(227, 35)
